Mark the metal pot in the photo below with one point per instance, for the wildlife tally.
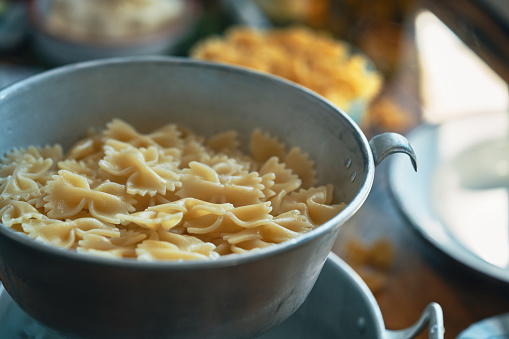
(340, 305)
(233, 297)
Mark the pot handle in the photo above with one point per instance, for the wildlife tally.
(432, 315)
(385, 144)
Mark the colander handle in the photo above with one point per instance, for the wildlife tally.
(386, 144)
(432, 315)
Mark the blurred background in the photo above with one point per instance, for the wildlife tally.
(436, 71)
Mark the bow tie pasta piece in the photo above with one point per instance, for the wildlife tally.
(314, 203)
(65, 234)
(202, 182)
(141, 169)
(263, 146)
(108, 199)
(15, 213)
(300, 164)
(247, 240)
(123, 246)
(195, 208)
(24, 171)
(228, 159)
(268, 181)
(226, 142)
(292, 221)
(89, 151)
(251, 216)
(285, 179)
(24, 180)
(319, 205)
(166, 137)
(141, 203)
(193, 150)
(54, 153)
(69, 193)
(164, 217)
(266, 230)
(78, 167)
(226, 219)
(248, 235)
(277, 233)
(38, 201)
(203, 172)
(249, 245)
(205, 218)
(210, 226)
(167, 216)
(224, 165)
(175, 247)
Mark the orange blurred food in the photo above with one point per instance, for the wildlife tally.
(310, 58)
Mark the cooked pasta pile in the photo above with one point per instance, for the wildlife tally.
(312, 59)
(167, 195)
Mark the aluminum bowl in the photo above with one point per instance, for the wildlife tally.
(340, 305)
(235, 296)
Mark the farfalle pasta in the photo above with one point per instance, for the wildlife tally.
(310, 58)
(166, 195)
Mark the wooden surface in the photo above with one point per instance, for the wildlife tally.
(419, 273)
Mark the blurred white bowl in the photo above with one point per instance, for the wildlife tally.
(458, 200)
(61, 47)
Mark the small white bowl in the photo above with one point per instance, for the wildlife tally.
(59, 48)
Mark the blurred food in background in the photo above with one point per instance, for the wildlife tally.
(385, 114)
(347, 51)
(312, 59)
(371, 261)
(112, 19)
(375, 26)
(383, 31)
(67, 31)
